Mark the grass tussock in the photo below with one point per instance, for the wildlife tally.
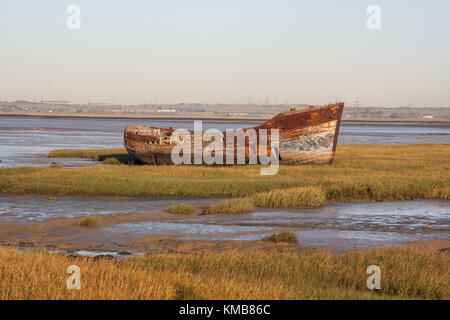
(406, 273)
(282, 237)
(181, 208)
(90, 222)
(114, 161)
(230, 207)
(359, 173)
(54, 165)
(310, 197)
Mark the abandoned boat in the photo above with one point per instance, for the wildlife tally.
(307, 135)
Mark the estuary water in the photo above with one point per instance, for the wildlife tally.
(337, 227)
(26, 141)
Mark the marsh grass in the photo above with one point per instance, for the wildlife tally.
(181, 208)
(359, 173)
(90, 222)
(235, 206)
(298, 197)
(282, 237)
(54, 165)
(121, 155)
(110, 160)
(407, 273)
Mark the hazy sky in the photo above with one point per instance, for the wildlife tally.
(314, 51)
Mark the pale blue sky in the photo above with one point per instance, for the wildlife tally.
(314, 51)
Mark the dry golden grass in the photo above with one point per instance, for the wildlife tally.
(311, 197)
(406, 273)
(359, 173)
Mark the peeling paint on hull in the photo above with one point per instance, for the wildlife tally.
(316, 147)
(307, 136)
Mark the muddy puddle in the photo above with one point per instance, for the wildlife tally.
(337, 227)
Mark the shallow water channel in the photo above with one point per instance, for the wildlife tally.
(338, 227)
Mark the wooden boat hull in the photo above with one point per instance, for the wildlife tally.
(306, 136)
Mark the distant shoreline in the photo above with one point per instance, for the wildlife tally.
(191, 117)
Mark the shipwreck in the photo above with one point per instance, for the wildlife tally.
(307, 135)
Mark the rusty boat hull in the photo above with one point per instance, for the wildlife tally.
(307, 135)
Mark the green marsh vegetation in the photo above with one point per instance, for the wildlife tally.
(121, 155)
(234, 206)
(182, 208)
(111, 160)
(282, 237)
(359, 173)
